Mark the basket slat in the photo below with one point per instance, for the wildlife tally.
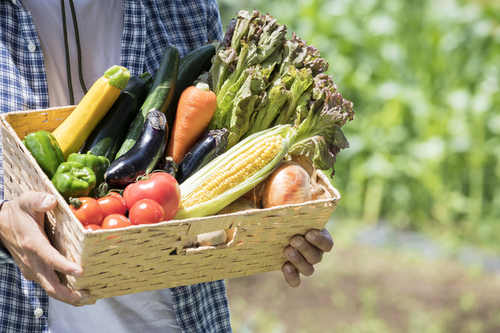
(150, 257)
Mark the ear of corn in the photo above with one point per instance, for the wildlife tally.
(235, 172)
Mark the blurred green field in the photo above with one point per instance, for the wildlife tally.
(365, 289)
(424, 77)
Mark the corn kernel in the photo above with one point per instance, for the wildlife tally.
(236, 171)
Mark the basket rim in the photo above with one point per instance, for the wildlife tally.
(40, 110)
(248, 212)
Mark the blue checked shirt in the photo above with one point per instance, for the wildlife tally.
(149, 27)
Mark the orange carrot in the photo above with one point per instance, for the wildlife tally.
(195, 110)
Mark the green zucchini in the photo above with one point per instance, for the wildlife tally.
(108, 136)
(190, 67)
(159, 96)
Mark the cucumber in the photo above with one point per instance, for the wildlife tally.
(190, 67)
(108, 136)
(159, 96)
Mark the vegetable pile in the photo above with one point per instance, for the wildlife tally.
(266, 87)
(209, 132)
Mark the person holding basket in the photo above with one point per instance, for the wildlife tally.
(48, 48)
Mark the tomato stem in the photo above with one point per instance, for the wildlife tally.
(75, 202)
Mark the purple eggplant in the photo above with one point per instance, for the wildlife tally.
(167, 164)
(144, 155)
(208, 147)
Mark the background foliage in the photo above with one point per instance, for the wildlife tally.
(424, 79)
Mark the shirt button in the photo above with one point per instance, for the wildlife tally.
(31, 47)
(38, 312)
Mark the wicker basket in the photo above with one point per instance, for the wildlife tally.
(142, 258)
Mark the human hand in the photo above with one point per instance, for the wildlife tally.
(22, 233)
(303, 253)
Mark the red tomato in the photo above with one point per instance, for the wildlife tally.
(89, 212)
(93, 227)
(160, 187)
(114, 221)
(146, 211)
(112, 204)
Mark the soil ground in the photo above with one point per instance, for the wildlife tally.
(364, 289)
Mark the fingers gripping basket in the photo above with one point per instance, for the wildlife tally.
(149, 257)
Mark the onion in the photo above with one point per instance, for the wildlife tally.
(288, 184)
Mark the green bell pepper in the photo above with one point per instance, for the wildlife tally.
(46, 151)
(98, 164)
(73, 179)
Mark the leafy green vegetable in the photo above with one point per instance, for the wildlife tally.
(302, 79)
(245, 102)
(299, 55)
(319, 135)
(273, 100)
(262, 80)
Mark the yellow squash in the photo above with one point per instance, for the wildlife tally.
(75, 129)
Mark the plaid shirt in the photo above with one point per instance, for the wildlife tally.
(149, 26)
